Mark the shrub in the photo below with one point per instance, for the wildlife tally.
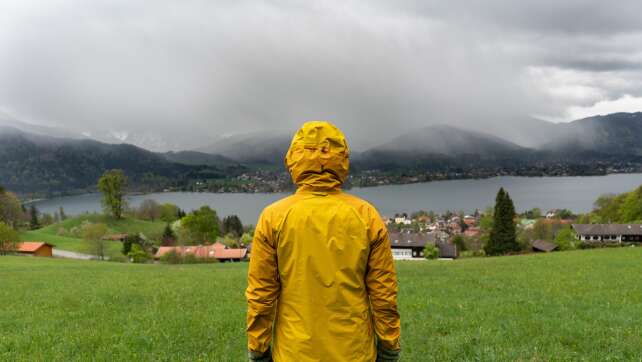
(171, 258)
(431, 251)
(137, 254)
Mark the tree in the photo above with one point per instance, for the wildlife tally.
(631, 208)
(168, 238)
(459, 241)
(503, 238)
(129, 241)
(431, 251)
(149, 210)
(93, 235)
(169, 212)
(201, 225)
(607, 207)
(232, 225)
(33, 218)
(112, 185)
(137, 254)
(11, 210)
(534, 213)
(565, 239)
(542, 230)
(8, 239)
(63, 216)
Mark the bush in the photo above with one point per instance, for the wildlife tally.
(118, 258)
(137, 254)
(472, 253)
(431, 251)
(171, 258)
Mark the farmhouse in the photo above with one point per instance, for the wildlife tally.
(608, 232)
(409, 245)
(406, 246)
(216, 251)
(35, 248)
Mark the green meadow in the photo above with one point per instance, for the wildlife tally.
(579, 305)
(62, 234)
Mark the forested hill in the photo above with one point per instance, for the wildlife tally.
(49, 165)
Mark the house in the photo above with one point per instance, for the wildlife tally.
(35, 248)
(472, 232)
(409, 245)
(216, 251)
(470, 220)
(542, 245)
(402, 220)
(608, 232)
(552, 213)
(455, 228)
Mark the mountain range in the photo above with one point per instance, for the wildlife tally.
(37, 159)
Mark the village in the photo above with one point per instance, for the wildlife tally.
(451, 235)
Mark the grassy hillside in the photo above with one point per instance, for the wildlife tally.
(62, 234)
(580, 305)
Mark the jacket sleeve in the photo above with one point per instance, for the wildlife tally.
(263, 288)
(381, 283)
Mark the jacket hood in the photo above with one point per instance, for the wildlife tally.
(318, 157)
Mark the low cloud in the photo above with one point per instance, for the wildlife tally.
(184, 73)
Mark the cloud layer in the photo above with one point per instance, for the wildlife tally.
(187, 72)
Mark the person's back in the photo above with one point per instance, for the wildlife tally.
(321, 269)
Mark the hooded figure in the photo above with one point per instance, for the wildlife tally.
(321, 280)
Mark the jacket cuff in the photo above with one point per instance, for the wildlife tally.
(260, 357)
(387, 355)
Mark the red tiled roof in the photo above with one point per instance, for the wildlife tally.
(217, 251)
(31, 246)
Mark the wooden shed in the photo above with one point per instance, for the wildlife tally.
(35, 248)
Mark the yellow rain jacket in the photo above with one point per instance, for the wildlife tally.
(321, 271)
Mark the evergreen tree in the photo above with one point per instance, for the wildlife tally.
(63, 216)
(168, 237)
(232, 225)
(503, 237)
(33, 223)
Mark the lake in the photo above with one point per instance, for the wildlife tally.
(574, 193)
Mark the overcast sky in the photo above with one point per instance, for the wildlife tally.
(189, 71)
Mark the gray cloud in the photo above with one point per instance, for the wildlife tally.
(182, 73)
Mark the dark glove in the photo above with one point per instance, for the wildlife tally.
(260, 357)
(387, 355)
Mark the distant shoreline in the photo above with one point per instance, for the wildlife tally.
(142, 193)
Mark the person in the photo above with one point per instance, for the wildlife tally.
(321, 282)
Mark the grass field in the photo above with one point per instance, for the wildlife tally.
(580, 305)
(51, 233)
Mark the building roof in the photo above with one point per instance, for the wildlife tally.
(31, 246)
(411, 240)
(543, 245)
(608, 229)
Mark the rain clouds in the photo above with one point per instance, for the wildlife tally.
(184, 73)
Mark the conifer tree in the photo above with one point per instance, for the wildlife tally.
(503, 235)
(33, 223)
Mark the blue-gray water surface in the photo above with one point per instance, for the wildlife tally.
(574, 193)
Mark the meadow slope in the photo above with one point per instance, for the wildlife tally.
(580, 305)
